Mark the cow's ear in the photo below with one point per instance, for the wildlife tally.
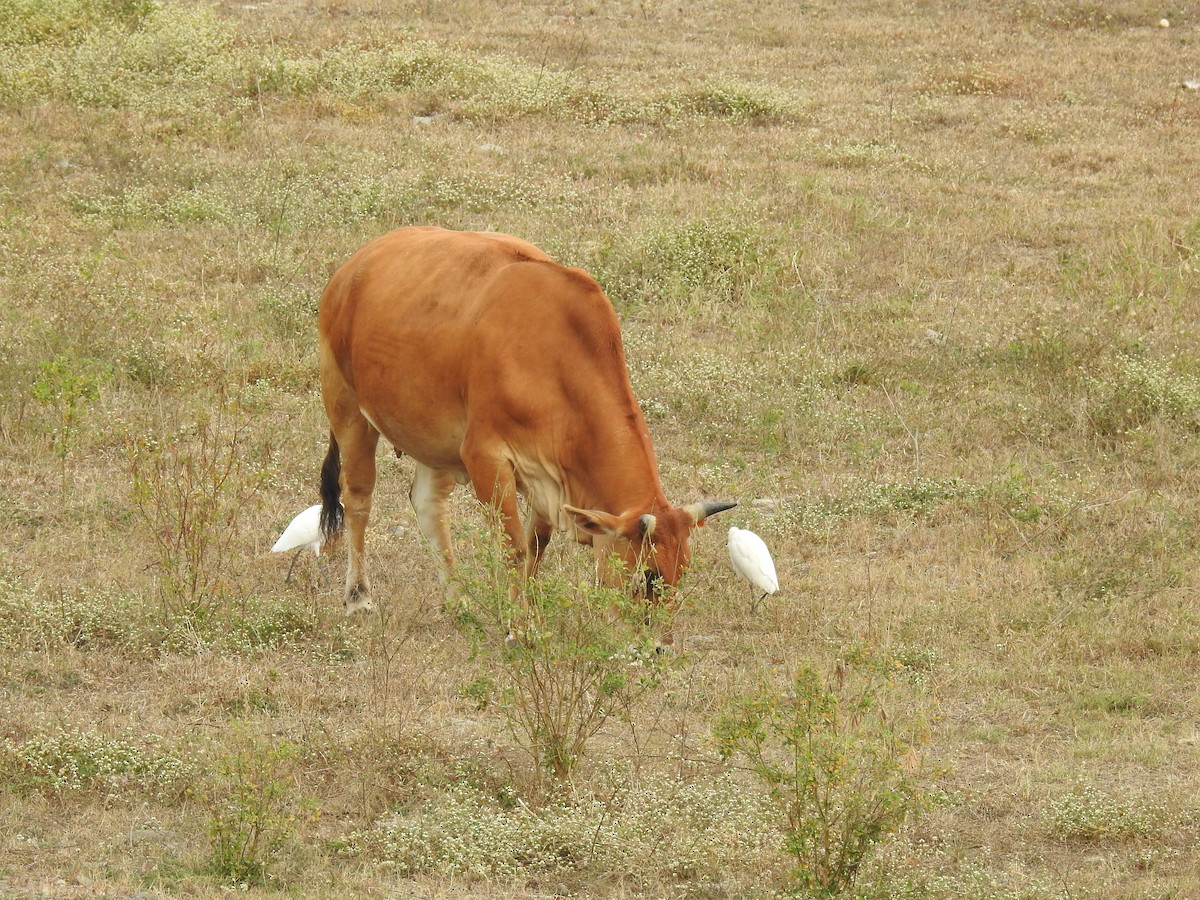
(595, 522)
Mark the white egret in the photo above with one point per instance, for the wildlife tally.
(303, 532)
(752, 560)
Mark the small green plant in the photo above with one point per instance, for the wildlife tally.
(833, 763)
(68, 386)
(189, 490)
(71, 759)
(565, 657)
(252, 812)
(1139, 391)
(1086, 813)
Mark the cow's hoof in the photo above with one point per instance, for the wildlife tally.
(359, 603)
(362, 607)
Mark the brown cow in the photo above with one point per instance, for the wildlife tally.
(487, 362)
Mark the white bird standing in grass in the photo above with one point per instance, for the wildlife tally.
(752, 560)
(303, 532)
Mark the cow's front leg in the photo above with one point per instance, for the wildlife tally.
(430, 490)
(537, 537)
(493, 478)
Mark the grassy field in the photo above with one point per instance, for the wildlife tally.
(920, 278)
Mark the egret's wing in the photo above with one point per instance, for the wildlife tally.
(753, 560)
(304, 531)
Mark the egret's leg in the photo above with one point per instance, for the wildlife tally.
(295, 557)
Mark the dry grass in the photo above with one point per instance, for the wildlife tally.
(923, 275)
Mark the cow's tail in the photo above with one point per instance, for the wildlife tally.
(332, 515)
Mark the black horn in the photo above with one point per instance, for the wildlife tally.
(701, 511)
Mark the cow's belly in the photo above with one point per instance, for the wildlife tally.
(409, 389)
(432, 441)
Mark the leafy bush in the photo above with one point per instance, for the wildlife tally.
(564, 657)
(253, 813)
(833, 763)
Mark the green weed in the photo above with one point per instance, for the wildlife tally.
(753, 104)
(189, 490)
(1140, 391)
(833, 763)
(67, 387)
(662, 830)
(565, 657)
(76, 760)
(253, 813)
(676, 262)
(1087, 813)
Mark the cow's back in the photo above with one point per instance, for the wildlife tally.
(410, 280)
(436, 332)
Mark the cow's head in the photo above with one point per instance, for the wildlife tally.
(656, 548)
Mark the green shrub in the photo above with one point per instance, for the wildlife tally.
(833, 763)
(565, 657)
(189, 490)
(253, 814)
(67, 386)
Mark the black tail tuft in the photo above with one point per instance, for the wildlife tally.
(331, 491)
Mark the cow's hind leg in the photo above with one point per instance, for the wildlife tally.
(356, 439)
(358, 443)
(430, 490)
